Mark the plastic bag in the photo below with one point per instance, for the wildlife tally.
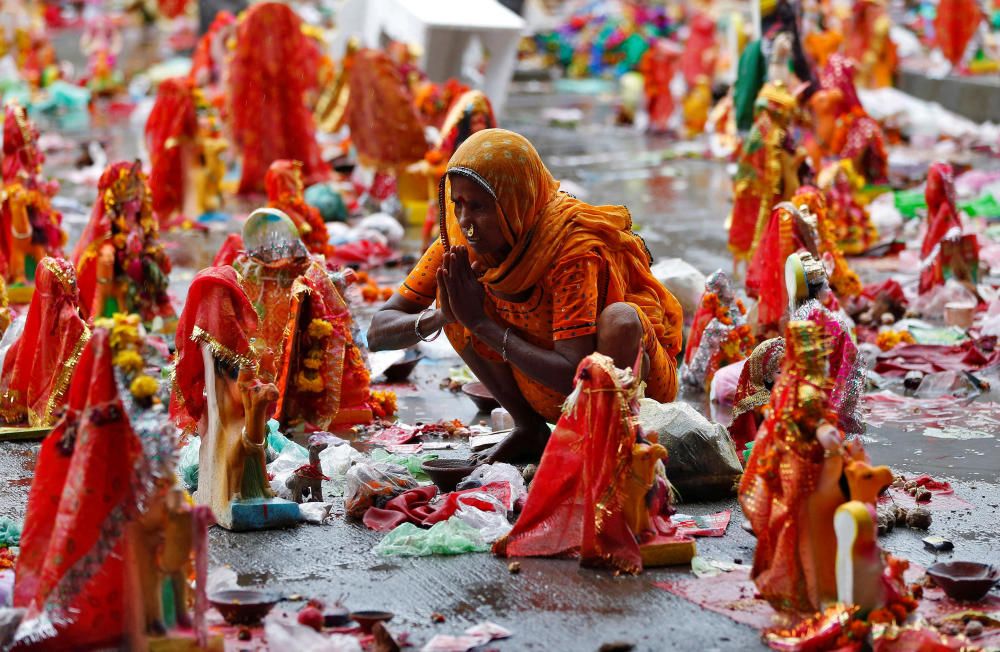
(703, 461)
(498, 472)
(10, 532)
(491, 525)
(724, 382)
(684, 282)
(374, 484)
(291, 457)
(187, 464)
(285, 633)
(278, 442)
(451, 537)
(411, 463)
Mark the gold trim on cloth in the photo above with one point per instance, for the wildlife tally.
(219, 350)
(62, 382)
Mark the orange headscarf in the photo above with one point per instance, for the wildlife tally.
(543, 226)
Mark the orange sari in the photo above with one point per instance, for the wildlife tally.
(557, 242)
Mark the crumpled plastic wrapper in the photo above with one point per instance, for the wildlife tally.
(285, 633)
(703, 462)
(373, 485)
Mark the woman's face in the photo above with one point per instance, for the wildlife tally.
(477, 215)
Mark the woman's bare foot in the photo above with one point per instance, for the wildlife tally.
(523, 444)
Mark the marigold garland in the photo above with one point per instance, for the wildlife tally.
(890, 339)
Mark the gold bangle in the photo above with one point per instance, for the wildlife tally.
(243, 436)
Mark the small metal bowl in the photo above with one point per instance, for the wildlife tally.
(480, 396)
(244, 606)
(367, 619)
(399, 372)
(964, 580)
(447, 473)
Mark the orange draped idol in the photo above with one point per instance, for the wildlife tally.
(273, 67)
(572, 258)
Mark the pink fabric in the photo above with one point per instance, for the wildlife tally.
(971, 355)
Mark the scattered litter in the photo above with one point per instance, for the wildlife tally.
(451, 537)
(707, 525)
(374, 484)
(316, 513)
(954, 432)
(286, 634)
(704, 567)
(474, 637)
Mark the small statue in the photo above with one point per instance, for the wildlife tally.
(307, 480)
(319, 370)
(946, 253)
(853, 226)
(658, 66)
(787, 231)
(844, 130)
(844, 281)
(767, 172)
(869, 42)
(121, 264)
(218, 393)
(719, 335)
(98, 476)
(184, 147)
(799, 461)
(31, 228)
(600, 483)
(38, 367)
(696, 106)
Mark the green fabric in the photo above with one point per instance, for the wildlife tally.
(909, 202)
(10, 532)
(451, 537)
(110, 307)
(750, 77)
(411, 463)
(255, 484)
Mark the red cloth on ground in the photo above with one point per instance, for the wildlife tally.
(414, 506)
(971, 355)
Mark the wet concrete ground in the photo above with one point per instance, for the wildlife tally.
(554, 605)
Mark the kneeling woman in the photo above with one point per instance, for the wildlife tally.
(529, 281)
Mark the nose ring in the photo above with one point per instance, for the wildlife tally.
(471, 231)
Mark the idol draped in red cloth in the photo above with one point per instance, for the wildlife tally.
(29, 226)
(120, 264)
(945, 252)
(784, 469)
(95, 474)
(285, 192)
(219, 315)
(753, 390)
(385, 127)
(700, 50)
(955, 25)
(39, 365)
(578, 504)
(658, 66)
(172, 125)
(786, 232)
(273, 67)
